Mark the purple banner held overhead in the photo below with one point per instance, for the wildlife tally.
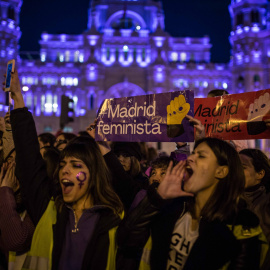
(148, 118)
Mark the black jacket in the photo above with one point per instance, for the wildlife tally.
(215, 246)
(258, 201)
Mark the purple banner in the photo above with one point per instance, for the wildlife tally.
(148, 118)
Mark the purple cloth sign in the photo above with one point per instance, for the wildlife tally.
(148, 118)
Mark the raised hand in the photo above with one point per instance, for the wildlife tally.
(171, 185)
(91, 129)
(103, 146)
(199, 127)
(7, 121)
(9, 179)
(15, 90)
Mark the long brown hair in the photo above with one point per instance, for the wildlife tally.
(135, 166)
(223, 202)
(100, 189)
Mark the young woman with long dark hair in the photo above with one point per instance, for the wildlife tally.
(193, 219)
(75, 229)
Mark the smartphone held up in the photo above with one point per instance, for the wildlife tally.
(10, 70)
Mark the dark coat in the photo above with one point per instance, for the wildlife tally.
(258, 201)
(215, 246)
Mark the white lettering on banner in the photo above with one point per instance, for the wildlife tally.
(132, 111)
(130, 128)
(122, 129)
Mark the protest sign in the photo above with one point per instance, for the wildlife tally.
(147, 118)
(235, 117)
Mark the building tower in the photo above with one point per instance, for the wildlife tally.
(121, 35)
(250, 39)
(9, 34)
(9, 30)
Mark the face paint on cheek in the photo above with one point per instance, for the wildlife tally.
(81, 177)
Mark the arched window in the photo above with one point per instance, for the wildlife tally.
(11, 13)
(134, 54)
(108, 54)
(240, 81)
(117, 54)
(239, 18)
(126, 20)
(256, 78)
(124, 23)
(67, 56)
(255, 17)
(143, 54)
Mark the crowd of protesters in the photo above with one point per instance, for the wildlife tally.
(69, 202)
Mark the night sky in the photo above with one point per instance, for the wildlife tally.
(193, 18)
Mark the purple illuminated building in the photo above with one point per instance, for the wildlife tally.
(125, 51)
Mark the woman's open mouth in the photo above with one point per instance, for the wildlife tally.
(188, 173)
(67, 186)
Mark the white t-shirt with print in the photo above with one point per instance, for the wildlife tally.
(182, 241)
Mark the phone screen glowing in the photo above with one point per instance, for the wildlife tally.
(8, 78)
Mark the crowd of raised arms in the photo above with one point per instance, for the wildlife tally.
(68, 202)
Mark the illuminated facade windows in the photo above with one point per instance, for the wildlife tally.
(29, 80)
(60, 57)
(55, 103)
(108, 54)
(67, 56)
(76, 56)
(42, 103)
(69, 81)
(49, 81)
(75, 81)
(29, 101)
(48, 105)
(174, 56)
(181, 83)
(225, 85)
(81, 58)
(183, 57)
(43, 57)
(125, 50)
(143, 55)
